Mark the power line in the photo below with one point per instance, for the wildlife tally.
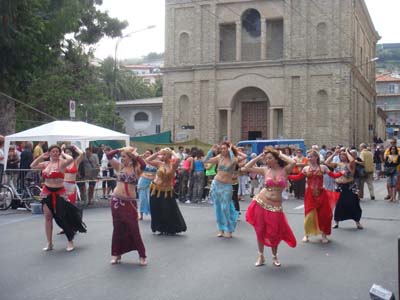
(27, 105)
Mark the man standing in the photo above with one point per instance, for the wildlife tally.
(38, 150)
(91, 167)
(368, 163)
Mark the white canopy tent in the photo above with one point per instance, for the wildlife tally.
(65, 131)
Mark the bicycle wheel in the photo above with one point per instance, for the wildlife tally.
(6, 197)
(34, 196)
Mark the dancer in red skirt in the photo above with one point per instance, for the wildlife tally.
(318, 202)
(126, 235)
(265, 211)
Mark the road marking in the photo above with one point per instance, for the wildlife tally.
(16, 221)
(299, 207)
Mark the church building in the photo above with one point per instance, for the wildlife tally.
(268, 69)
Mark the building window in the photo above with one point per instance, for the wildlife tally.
(274, 39)
(158, 128)
(251, 35)
(184, 110)
(227, 42)
(391, 88)
(141, 117)
(184, 51)
(322, 39)
(322, 108)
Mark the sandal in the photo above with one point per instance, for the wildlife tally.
(359, 226)
(220, 234)
(116, 260)
(260, 260)
(48, 248)
(70, 246)
(228, 235)
(142, 261)
(305, 239)
(275, 261)
(335, 226)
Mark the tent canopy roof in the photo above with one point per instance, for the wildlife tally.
(67, 131)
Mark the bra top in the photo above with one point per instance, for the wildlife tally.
(345, 170)
(150, 169)
(72, 169)
(165, 175)
(53, 174)
(279, 181)
(125, 178)
(229, 168)
(310, 173)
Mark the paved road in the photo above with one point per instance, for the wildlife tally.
(197, 264)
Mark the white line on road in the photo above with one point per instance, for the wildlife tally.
(299, 207)
(18, 220)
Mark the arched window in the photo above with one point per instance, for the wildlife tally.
(322, 108)
(184, 48)
(184, 113)
(322, 39)
(251, 35)
(141, 117)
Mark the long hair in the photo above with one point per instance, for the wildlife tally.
(314, 153)
(129, 152)
(229, 144)
(275, 154)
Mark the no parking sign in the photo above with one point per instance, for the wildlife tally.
(72, 108)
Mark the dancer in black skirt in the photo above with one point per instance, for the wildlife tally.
(348, 205)
(166, 217)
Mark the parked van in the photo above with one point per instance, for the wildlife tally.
(257, 146)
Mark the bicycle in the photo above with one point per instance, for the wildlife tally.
(9, 194)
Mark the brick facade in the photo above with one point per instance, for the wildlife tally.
(310, 61)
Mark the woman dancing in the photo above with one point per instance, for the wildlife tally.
(66, 215)
(143, 187)
(348, 205)
(166, 218)
(71, 170)
(318, 202)
(221, 187)
(126, 235)
(265, 211)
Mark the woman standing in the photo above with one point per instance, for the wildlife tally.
(265, 211)
(391, 163)
(126, 235)
(318, 202)
(166, 218)
(198, 176)
(71, 171)
(221, 187)
(66, 215)
(143, 187)
(348, 205)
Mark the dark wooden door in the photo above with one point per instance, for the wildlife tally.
(254, 118)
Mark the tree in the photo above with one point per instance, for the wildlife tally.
(33, 37)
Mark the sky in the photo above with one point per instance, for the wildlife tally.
(144, 13)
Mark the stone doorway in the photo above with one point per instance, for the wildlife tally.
(254, 120)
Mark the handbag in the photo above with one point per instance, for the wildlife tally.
(389, 171)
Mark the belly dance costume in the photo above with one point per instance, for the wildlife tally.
(143, 188)
(166, 217)
(348, 206)
(70, 186)
(126, 235)
(318, 202)
(221, 195)
(269, 221)
(66, 215)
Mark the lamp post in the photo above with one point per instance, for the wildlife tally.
(115, 55)
(84, 107)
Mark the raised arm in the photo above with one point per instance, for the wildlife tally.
(151, 160)
(112, 160)
(290, 162)
(212, 156)
(249, 167)
(39, 162)
(66, 159)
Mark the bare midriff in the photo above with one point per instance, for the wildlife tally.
(224, 177)
(148, 175)
(344, 180)
(54, 182)
(70, 177)
(120, 190)
(271, 196)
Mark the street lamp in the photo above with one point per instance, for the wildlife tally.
(115, 54)
(84, 107)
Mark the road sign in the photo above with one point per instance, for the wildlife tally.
(71, 108)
